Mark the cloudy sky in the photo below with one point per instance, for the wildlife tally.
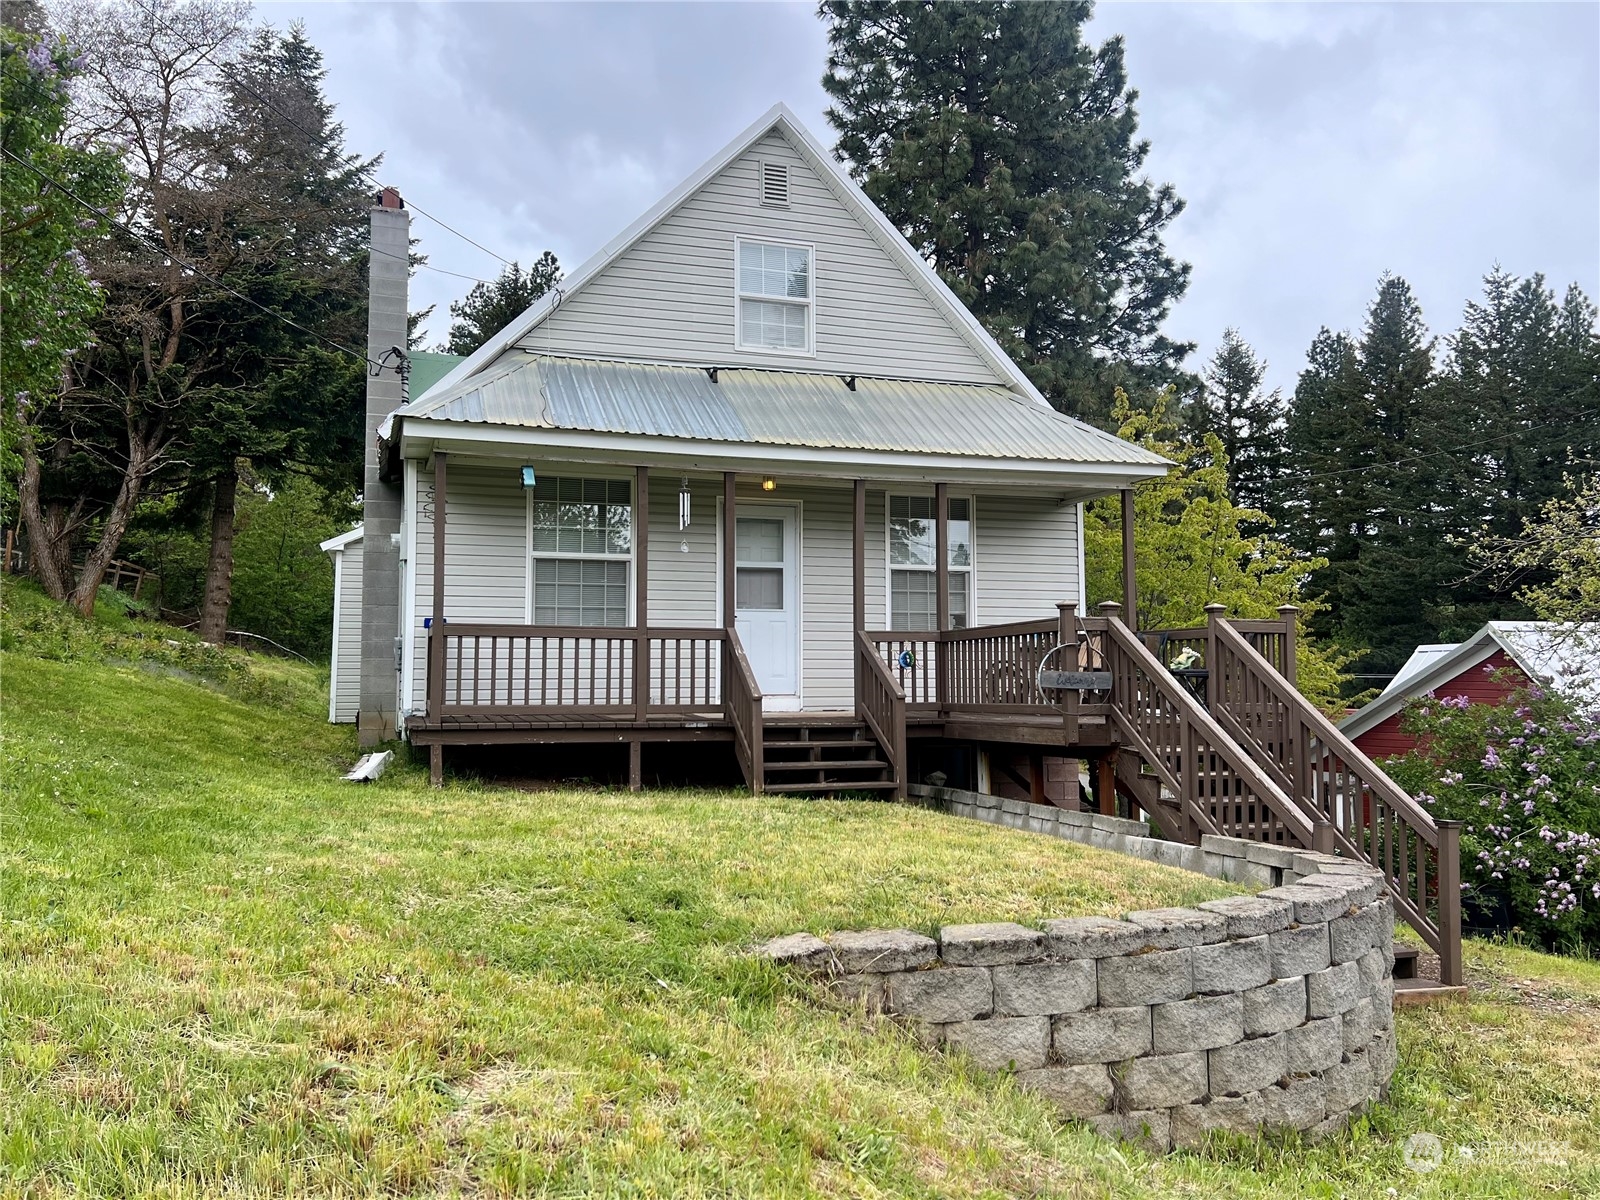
(1316, 145)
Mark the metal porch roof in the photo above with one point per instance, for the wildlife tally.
(784, 408)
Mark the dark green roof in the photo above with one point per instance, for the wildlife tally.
(427, 368)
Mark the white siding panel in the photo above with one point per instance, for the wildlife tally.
(1027, 557)
(345, 683)
(683, 586)
(486, 545)
(670, 297)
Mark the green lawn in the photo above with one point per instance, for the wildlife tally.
(223, 972)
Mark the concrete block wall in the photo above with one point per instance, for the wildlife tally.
(1249, 1013)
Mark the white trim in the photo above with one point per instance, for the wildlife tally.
(408, 584)
(783, 119)
(1083, 577)
(740, 296)
(529, 554)
(798, 505)
(971, 570)
(1093, 479)
(341, 541)
(337, 552)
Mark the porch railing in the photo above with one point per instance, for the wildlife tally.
(743, 707)
(563, 670)
(1356, 809)
(881, 703)
(992, 668)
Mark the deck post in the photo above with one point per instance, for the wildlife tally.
(436, 764)
(858, 567)
(1105, 787)
(1130, 588)
(641, 596)
(635, 765)
(1450, 973)
(436, 626)
(1067, 639)
(729, 595)
(1291, 618)
(1213, 615)
(941, 584)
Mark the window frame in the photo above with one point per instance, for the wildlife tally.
(740, 296)
(532, 556)
(890, 566)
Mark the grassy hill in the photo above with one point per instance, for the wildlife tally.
(224, 972)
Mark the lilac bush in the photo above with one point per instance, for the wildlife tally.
(1522, 777)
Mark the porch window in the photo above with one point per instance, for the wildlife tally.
(775, 297)
(913, 581)
(580, 534)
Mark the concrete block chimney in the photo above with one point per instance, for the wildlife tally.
(387, 278)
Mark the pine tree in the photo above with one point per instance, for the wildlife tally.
(1004, 147)
(490, 307)
(1248, 422)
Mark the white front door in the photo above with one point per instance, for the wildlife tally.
(767, 600)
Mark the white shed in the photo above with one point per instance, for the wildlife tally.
(344, 674)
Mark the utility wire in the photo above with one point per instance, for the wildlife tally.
(162, 250)
(1449, 449)
(234, 77)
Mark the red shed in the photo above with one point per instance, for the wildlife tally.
(1554, 655)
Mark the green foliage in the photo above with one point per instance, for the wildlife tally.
(1554, 562)
(1399, 468)
(1005, 148)
(1193, 547)
(1248, 421)
(225, 972)
(282, 582)
(120, 632)
(490, 307)
(1521, 775)
(48, 298)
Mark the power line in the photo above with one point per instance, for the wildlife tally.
(323, 137)
(1448, 450)
(461, 235)
(162, 250)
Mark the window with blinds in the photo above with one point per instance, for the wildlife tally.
(776, 312)
(580, 535)
(913, 580)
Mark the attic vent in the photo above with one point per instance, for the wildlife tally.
(775, 185)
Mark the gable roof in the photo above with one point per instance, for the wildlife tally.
(781, 118)
(778, 408)
(342, 540)
(1558, 655)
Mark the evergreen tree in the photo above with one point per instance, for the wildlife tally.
(1248, 422)
(490, 307)
(1004, 147)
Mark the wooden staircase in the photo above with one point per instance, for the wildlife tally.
(820, 754)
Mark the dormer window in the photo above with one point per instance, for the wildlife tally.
(775, 297)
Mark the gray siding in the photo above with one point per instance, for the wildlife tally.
(1026, 548)
(486, 543)
(345, 681)
(670, 297)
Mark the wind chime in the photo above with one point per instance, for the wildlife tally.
(683, 512)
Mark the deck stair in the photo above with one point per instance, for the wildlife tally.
(822, 755)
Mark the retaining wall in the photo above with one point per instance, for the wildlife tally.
(1252, 1012)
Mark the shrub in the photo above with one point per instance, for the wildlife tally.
(1521, 776)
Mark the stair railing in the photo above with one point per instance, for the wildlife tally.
(742, 700)
(882, 705)
(1220, 788)
(1354, 807)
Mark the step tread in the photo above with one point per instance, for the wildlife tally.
(861, 786)
(838, 743)
(832, 764)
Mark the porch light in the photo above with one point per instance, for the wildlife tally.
(769, 484)
(528, 479)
